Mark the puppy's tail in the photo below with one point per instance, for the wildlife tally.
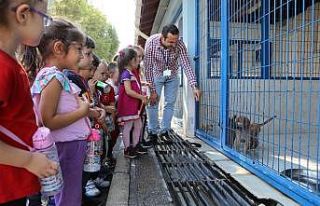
(267, 121)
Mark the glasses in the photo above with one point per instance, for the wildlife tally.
(47, 20)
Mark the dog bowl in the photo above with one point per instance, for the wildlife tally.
(304, 178)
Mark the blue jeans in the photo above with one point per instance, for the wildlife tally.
(170, 96)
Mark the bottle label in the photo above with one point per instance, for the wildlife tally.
(53, 184)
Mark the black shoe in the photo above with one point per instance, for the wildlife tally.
(130, 153)
(141, 150)
(146, 144)
(153, 138)
(166, 138)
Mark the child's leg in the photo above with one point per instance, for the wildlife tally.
(126, 133)
(71, 156)
(136, 131)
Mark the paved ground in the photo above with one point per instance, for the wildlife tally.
(138, 182)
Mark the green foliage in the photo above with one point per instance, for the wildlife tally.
(92, 22)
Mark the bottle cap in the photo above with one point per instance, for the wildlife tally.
(42, 138)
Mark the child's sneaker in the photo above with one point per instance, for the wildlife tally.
(102, 183)
(140, 149)
(91, 189)
(146, 144)
(129, 153)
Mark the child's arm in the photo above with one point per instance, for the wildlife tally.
(35, 163)
(132, 93)
(49, 103)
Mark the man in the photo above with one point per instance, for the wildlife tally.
(162, 52)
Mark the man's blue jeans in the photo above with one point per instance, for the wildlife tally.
(170, 96)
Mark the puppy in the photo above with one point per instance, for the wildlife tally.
(231, 130)
(254, 130)
(242, 124)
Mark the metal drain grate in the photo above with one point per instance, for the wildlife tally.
(193, 180)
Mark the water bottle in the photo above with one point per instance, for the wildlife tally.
(103, 87)
(43, 143)
(93, 153)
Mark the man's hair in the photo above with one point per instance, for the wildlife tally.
(90, 43)
(170, 28)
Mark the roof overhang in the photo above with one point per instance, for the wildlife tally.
(146, 11)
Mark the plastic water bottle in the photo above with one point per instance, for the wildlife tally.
(93, 153)
(43, 143)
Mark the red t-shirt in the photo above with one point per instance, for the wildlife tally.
(16, 114)
(107, 99)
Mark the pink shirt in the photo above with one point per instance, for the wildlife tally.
(78, 130)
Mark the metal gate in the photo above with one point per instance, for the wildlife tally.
(259, 72)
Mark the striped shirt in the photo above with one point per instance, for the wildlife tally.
(157, 59)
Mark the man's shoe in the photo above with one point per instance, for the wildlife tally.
(153, 138)
(166, 138)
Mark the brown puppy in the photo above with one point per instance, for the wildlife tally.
(254, 131)
(242, 124)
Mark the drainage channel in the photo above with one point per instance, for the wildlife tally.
(194, 180)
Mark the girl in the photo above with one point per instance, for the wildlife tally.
(129, 94)
(113, 78)
(60, 107)
(20, 23)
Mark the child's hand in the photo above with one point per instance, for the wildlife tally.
(84, 105)
(110, 109)
(143, 83)
(144, 100)
(102, 114)
(41, 166)
(92, 85)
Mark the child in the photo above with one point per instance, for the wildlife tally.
(107, 102)
(113, 79)
(86, 68)
(60, 107)
(139, 73)
(19, 24)
(130, 99)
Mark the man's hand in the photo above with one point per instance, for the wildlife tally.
(153, 98)
(196, 93)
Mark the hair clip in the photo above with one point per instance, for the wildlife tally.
(121, 53)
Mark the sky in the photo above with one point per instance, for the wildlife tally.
(121, 14)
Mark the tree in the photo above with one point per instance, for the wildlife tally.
(92, 22)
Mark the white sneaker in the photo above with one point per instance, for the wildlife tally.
(101, 183)
(91, 189)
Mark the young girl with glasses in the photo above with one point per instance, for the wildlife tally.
(19, 168)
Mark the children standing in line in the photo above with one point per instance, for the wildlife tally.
(130, 99)
(60, 107)
(19, 24)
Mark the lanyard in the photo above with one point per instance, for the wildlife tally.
(166, 59)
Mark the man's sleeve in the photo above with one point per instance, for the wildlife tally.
(148, 64)
(185, 63)
(6, 84)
